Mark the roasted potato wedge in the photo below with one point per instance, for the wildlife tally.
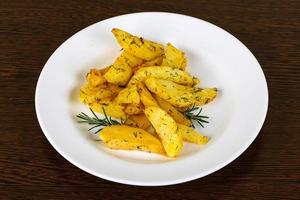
(134, 109)
(140, 121)
(163, 72)
(95, 77)
(146, 97)
(137, 46)
(129, 95)
(205, 95)
(190, 135)
(166, 129)
(129, 59)
(135, 69)
(111, 109)
(91, 94)
(130, 138)
(155, 62)
(173, 112)
(120, 72)
(177, 95)
(174, 58)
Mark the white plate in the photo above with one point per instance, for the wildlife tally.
(218, 58)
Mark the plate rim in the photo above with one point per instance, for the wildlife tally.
(174, 181)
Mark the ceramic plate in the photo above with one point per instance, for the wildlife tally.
(215, 56)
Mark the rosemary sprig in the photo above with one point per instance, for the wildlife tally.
(200, 119)
(96, 122)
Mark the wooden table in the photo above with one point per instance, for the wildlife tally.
(30, 168)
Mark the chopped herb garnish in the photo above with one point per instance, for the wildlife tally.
(185, 99)
(132, 42)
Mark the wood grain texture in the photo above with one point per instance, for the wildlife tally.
(31, 169)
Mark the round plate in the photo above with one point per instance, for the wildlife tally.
(215, 56)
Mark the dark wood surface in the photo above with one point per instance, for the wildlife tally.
(31, 169)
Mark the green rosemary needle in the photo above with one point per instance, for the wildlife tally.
(198, 118)
(96, 122)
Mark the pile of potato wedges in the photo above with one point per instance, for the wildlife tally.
(148, 88)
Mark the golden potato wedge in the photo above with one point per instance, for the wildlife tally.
(173, 112)
(166, 129)
(135, 69)
(95, 78)
(118, 74)
(90, 94)
(130, 138)
(181, 109)
(129, 59)
(162, 72)
(177, 95)
(129, 95)
(190, 135)
(155, 62)
(111, 109)
(120, 71)
(145, 95)
(134, 109)
(205, 95)
(113, 88)
(174, 58)
(140, 121)
(137, 46)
